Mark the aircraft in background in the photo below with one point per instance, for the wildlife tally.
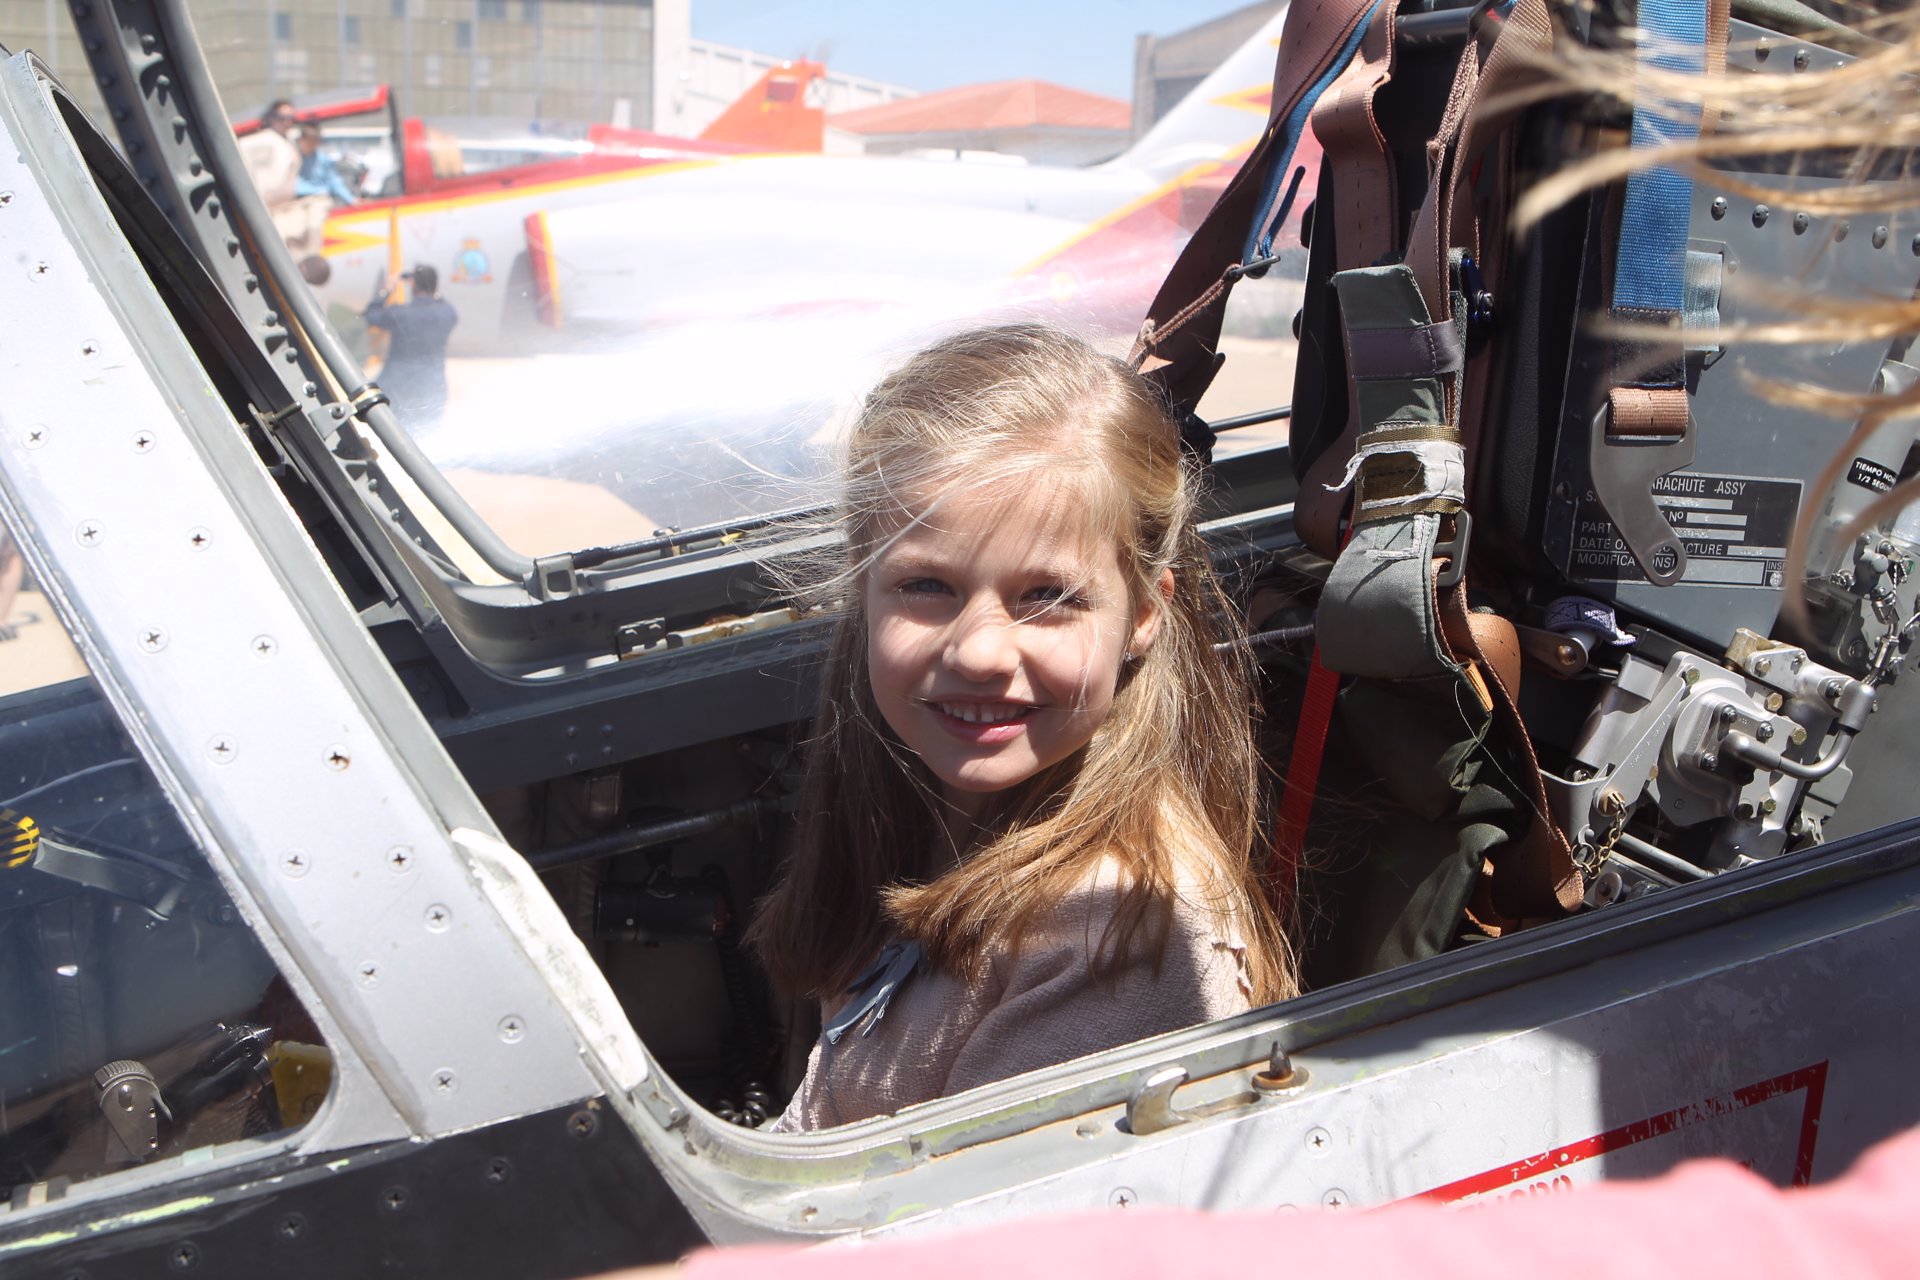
(733, 237)
(413, 173)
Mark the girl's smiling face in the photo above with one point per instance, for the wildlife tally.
(996, 631)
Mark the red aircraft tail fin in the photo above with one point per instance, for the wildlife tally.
(774, 114)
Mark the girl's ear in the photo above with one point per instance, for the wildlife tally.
(1147, 620)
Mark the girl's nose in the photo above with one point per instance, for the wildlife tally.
(981, 644)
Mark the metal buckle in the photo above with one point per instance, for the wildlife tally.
(1455, 550)
(1621, 471)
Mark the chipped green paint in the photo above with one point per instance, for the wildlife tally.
(903, 1212)
(154, 1214)
(35, 1242)
(117, 1222)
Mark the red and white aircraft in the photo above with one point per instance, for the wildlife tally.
(687, 236)
(683, 335)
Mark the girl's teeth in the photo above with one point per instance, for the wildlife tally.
(981, 715)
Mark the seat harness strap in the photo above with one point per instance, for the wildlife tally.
(1178, 343)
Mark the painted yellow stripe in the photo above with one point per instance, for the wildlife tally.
(1258, 100)
(349, 224)
(339, 241)
(22, 834)
(1132, 207)
(548, 277)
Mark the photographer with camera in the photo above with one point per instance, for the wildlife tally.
(415, 374)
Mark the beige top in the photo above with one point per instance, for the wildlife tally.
(1030, 1009)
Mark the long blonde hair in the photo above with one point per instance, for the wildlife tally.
(1169, 784)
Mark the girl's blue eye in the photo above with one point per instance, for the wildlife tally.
(922, 586)
(1055, 596)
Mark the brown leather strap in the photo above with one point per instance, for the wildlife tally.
(1650, 412)
(1356, 150)
(1502, 87)
(1178, 350)
(1536, 875)
(1718, 23)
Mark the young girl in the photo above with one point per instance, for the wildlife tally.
(1030, 810)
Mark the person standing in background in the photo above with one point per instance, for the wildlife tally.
(271, 157)
(415, 375)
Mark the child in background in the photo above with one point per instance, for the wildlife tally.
(1031, 798)
(319, 176)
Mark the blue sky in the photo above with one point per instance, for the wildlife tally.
(1084, 43)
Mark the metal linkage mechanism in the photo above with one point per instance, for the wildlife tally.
(130, 1100)
(1757, 747)
(1623, 468)
(1150, 1107)
(1862, 595)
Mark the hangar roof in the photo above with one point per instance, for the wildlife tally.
(1000, 104)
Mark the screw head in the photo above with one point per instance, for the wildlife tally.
(223, 749)
(90, 348)
(338, 759)
(296, 863)
(1709, 761)
(394, 1199)
(1760, 215)
(1762, 665)
(1319, 1141)
(444, 1081)
(1719, 208)
(264, 646)
(1800, 224)
(36, 436)
(1123, 1198)
(143, 442)
(368, 975)
(199, 539)
(513, 1029)
(400, 859)
(153, 639)
(1802, 59)
(39, 271)
(438, 918)
(1334, 1199)
(291, 1227)
(185, 1256)
(497, 1171)
(1879, 237)
(88, 533)
(583, 1123)
(6, 198)
(1765, 732)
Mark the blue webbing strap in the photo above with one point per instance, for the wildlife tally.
(1261, 234)
(1650, 270)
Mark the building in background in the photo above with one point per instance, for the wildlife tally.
(1042, 122)
(1166, 68)
(626, 62)
(574, 61)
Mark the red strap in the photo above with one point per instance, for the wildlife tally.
(1302, 781)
